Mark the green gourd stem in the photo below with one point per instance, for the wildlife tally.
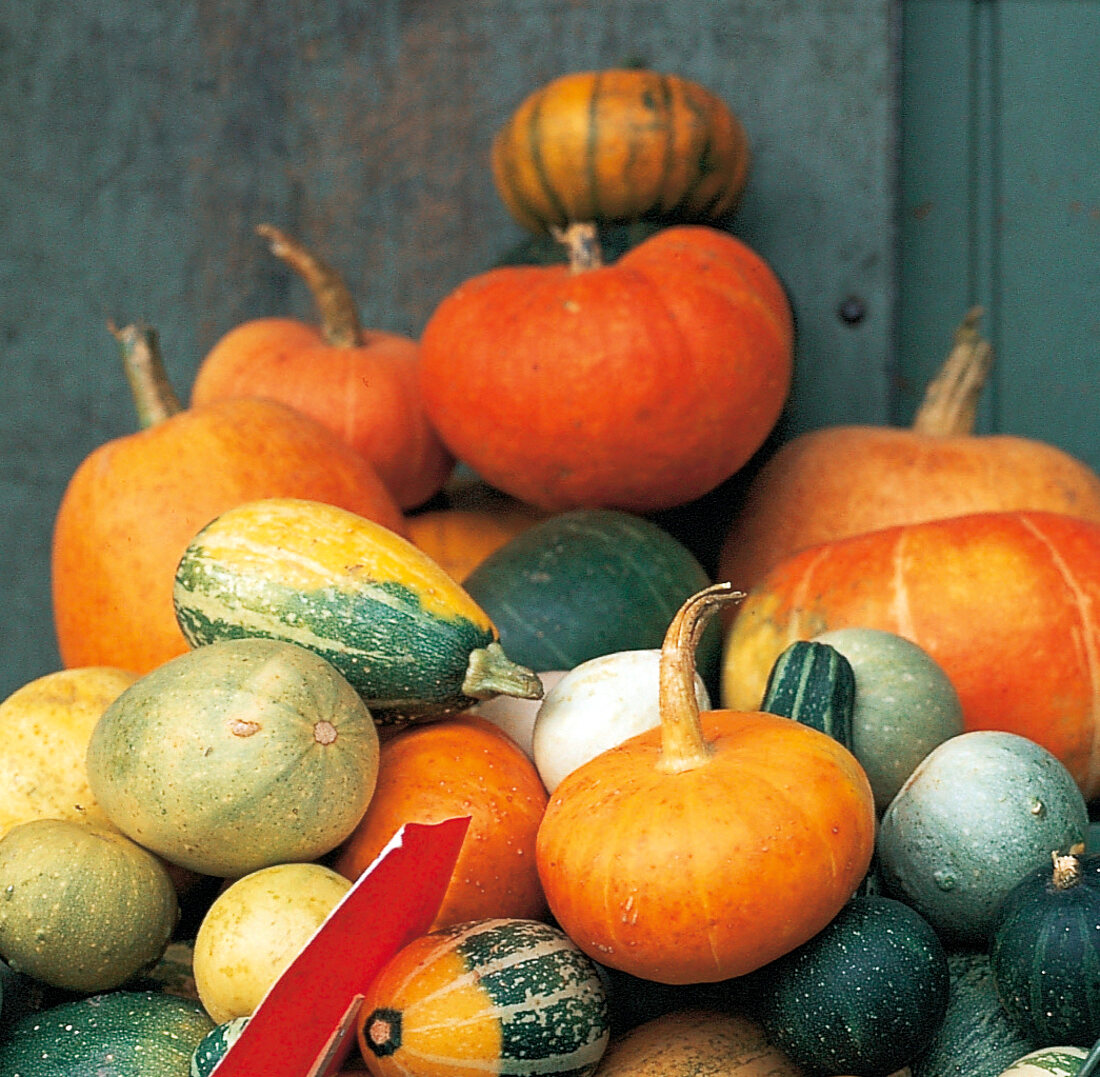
(582, 244)
(340, 325)
(950, 403)
(1091, 1066)
(492, 673)
(154, 397)
(683, 746)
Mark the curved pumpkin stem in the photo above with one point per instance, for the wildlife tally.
(340, 325)
(683, 746)
(950, 404)
(154, 397)
(582, 243)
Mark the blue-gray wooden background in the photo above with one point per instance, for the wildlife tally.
(912, 157)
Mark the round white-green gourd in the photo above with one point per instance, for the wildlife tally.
(905, 705)
(595, 706)
(1049, 1062)
(979, 812)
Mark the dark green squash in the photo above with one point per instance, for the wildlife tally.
(864, 996)
(120, 1034)
(586, 583)
(814, 684)
(976, 1037)
(1045, 952)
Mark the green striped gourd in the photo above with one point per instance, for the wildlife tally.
(406, 636)
(498, 996)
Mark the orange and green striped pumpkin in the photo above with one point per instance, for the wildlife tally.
(618, 145)
(496, 996)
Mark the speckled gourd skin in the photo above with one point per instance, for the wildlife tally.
(237, 755)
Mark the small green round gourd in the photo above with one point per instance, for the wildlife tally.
(1045, 951)
(904, 706)
(236, 755)
(83, 907)
(214, 1045)
(979, 812)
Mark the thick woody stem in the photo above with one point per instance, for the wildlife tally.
(154, 397)
(335, 305)
(950, 404)
(582, 243)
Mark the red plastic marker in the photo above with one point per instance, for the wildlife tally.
(304, 1026)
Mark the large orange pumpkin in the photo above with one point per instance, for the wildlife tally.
(135, 502)
(710, 846)
(1007, 603)
(844, 480)
(460, 766)
(361, 383)
(617, 145)
(638, 386)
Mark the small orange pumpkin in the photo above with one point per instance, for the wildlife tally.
(1008, 604)
(710, 846)
(360, 383)
(460, 766)
(638, 386)
(135, 502)
(845, 480)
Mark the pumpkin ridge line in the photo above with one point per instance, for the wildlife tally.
(900, 606)
(534, 145)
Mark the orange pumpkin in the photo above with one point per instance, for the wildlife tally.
(710, 846)
(361, 383)
(1007, 603)
(460, 766)
(845, 480)
(134, 503)
(639, 385)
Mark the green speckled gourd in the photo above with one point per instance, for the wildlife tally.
(83, 908)
(237, 755)
(1045, 951)
(813, 683)
(980, 811)
(213, 1046)
(119, 1034)
(406, 636)
(864, 996)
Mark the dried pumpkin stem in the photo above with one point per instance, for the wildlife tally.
(950, 404)
(340, 325)
(683, 746)
(582, 243)
(1067, 871)
(154, 397)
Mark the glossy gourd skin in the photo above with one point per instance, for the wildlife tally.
(501, 995)
(404, 634)
(708, 847)
(133, 504)
(1008, 605)
(617, 145)
(640, 385)
(1045, 951)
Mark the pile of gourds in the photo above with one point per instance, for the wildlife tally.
(289, 625)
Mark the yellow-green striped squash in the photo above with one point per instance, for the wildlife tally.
(406, 636)
(1048, 1062)
(498, 996)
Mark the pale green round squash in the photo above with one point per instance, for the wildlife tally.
(237, 755)
(904, 705)
(979, 812)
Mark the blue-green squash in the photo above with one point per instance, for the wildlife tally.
(404, 634)
(118, 1034)
(1045, 951)
(502, 996)
(586, 583)
(234, 756)
(864, 996)
(976, 1037)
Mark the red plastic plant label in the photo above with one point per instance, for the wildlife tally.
(304, 1026)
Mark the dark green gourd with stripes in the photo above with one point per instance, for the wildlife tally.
(408, 638)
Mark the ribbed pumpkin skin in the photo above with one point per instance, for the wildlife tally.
(119, 1034)
(135, 502)
(617, 145)
(497, 996)
(709, 873)
(639, 385)
(1008, 604)
(374, 606)
(1045, 956)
